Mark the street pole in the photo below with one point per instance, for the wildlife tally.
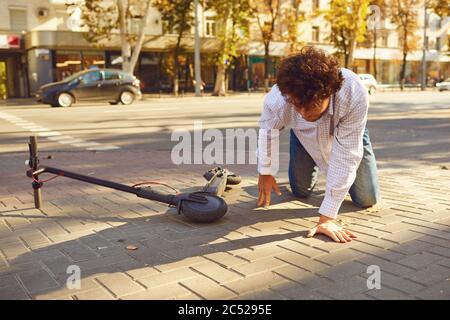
(374, 53)
(423, 84)
(198, 78)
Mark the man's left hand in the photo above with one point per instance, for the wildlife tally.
(329, 228)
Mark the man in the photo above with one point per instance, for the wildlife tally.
(326, 108)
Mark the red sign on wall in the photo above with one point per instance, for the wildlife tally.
(9, 41)
(13, 42)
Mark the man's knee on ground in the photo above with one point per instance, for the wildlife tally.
(301, 192)
(367, 202)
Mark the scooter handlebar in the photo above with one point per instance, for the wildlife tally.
(33, 163)
(149, 193)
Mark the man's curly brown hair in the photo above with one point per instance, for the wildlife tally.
(308, 77)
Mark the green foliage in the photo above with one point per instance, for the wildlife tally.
(372, 29)
(348, 21)
(291, 18)
(178, 18)
(405, 14)
(177, 15)
(267, 13)
(101, 18)
(440, 7)
(232, 18)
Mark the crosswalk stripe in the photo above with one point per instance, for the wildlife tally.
(54, 135)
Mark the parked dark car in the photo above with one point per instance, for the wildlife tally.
(110, 85)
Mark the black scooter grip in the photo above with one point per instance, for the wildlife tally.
(149, 193)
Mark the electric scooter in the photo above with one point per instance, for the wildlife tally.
(205, 205)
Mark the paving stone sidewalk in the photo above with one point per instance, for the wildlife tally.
(252, 253)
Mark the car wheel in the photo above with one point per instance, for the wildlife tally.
(372, 90)
(65, 100)
(126, 97)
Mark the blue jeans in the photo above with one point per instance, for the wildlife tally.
(303, 173)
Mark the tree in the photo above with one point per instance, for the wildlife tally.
(292, 17)
(440, 7)
(375, 23)
(347, 19)
(233, 31)
(404, 13)
(103, 19)
(267, 13)
(178, 18)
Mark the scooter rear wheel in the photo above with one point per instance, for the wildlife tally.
(204, 212)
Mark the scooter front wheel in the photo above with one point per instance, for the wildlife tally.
(211, 211)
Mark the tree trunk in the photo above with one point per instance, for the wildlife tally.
(219, 86)
(351, 50)
(126, 48)
(375, 53)
(175, 72)
(405, 53)
(176, 53)
(266, 65)
(226, 80)
(140, 41)
(344, 48)
(403, 70)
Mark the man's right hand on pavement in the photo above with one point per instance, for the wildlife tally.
(266, 183)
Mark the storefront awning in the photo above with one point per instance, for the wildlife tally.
(396, 54)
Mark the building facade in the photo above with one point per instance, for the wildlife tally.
(41, 42)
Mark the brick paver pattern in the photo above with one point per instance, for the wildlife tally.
(252, 253)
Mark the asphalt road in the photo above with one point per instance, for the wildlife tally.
(405, 126)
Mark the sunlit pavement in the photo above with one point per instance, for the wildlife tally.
(250, 253)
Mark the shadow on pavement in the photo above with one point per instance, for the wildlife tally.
(162, 237)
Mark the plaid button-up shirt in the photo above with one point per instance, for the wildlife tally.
(335, 141)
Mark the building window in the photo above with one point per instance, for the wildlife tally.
(210, 26)
(18, 19)
(135, 26)
(315, 34)
(67, 63)
(438, 43)
(93, 59)
(315, 4)
(70, 62)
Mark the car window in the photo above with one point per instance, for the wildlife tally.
(126, 76)
(90, 77)
(111, 75)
